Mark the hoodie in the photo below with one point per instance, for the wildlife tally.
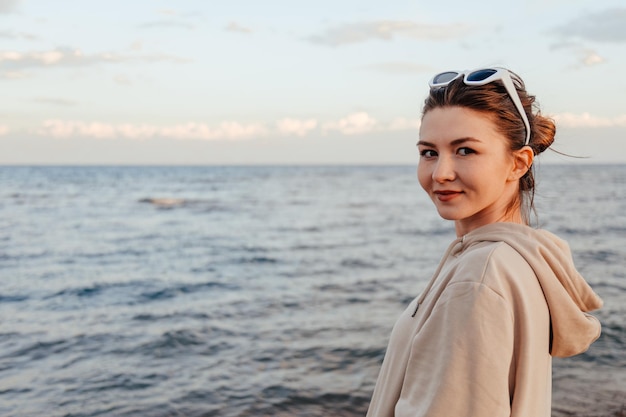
(479, 340)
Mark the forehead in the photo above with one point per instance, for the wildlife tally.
(446, 124)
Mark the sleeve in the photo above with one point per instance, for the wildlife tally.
(460, 360)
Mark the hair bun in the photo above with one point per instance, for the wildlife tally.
(543, 132)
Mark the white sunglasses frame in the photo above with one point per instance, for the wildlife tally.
(501, 74)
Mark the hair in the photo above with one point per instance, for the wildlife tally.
(493, 100)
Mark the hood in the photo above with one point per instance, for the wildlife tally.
(567, 294)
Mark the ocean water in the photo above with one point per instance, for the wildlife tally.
(254, 291)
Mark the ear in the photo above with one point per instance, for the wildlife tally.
(522, 161)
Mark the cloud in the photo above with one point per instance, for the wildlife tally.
(224, 131)
(236, 27)
(400, 68)
(8, 6)
(357, 123)
(565, 44)
(68, 57)
(9, 34)
(64, 129)
(174, 13)
(353, 124)
(4, 130)
(68, 129)
(592, 58)
(387, 30)
(167, 24)
(295, 127)
(588, 120)
(605, 26)
(586, 57)
(54, 101)
(168, 12)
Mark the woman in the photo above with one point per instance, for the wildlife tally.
(506, 297)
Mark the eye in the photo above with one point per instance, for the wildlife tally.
(428, 153)
(465, 151)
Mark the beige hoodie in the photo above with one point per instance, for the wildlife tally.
(478, 341)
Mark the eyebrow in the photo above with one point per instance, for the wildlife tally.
(455, 142)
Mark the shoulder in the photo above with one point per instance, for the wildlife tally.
(482, 259)
(497, 266)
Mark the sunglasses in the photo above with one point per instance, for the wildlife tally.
(482, 77)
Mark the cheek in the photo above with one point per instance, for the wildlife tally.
(423, 176)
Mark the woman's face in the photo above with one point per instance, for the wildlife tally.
(467, 168)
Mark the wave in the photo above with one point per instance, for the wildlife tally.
(591, 231)
(121, 382)
(178, 343)
(173, 291)
(358, 264)
(283, 401)
(169, 203)
(165, 202)
(603, 256)
(39, 350)
(256, 260)
(13, 298)
(174, 340)
(148, 317)
(93, 290)
(135, 291)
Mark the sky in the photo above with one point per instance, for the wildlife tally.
(291, 82)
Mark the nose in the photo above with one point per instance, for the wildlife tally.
(444, 170)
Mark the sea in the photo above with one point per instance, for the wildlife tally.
(255, 290)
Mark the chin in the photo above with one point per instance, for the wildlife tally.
(448, 216)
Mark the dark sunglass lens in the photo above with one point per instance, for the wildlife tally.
(444, 77)
(480, 75)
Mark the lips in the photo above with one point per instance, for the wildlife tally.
(447, 195)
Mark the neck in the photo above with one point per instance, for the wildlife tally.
(511, 215)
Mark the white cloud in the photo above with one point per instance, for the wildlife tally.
(295, 127)
(64, 129)
(67, 129)
(592, 58)
(588, 120)
(236, 27)
(4, 130)
(358, 123)
(224, 131)
(72, 57)
(137, 132)
(387, 30)
(353, 124)
(8, 34)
